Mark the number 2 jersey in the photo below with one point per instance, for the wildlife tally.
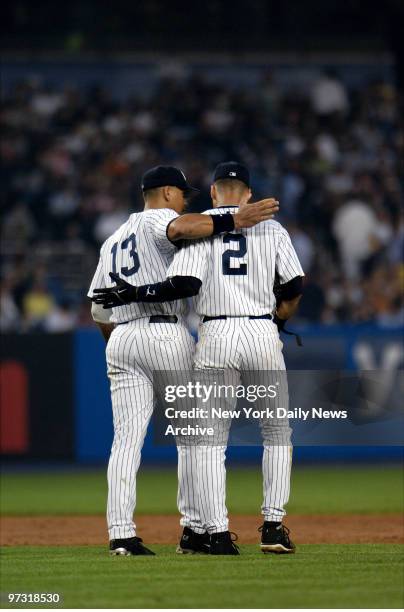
(238, 269)
(140, 252)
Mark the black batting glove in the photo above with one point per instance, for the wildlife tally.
(119, 295)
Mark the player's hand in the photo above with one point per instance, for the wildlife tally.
(249, 215)
(122, 293)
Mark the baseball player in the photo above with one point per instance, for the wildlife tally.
(151, 336)
(233, 277)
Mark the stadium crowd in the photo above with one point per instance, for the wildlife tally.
(72, 160)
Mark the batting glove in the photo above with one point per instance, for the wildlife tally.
(122, 293)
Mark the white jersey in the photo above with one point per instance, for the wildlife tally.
(238, 269)
(140, 252)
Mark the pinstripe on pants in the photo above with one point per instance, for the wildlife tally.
(134, 351)
(242, 346)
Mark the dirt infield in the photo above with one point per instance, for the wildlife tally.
(164, 529)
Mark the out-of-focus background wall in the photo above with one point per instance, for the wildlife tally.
(309, 96)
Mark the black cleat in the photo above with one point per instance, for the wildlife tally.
(222, 544)
(275, 539)
(192, 542)
(128, 546)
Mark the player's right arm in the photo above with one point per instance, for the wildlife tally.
(101, 316)
(192, 226)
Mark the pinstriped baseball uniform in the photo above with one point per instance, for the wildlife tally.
(237, 271)
(140, 252)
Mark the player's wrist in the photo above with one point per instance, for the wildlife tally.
(237, 221)
(223, 223)
(131, 294)
(126, 295)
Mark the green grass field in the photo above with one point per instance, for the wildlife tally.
(318, 576)
(336, 576)
(314, 490)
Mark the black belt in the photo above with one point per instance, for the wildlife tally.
(224, 317)
(163, 319)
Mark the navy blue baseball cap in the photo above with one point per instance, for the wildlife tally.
(232, 170)
(161, 176)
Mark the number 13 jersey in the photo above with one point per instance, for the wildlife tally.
(140, 252)
(238, 269)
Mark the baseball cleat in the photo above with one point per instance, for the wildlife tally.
(223, 544)
(192, 543)
(128, 546)
(275, 539)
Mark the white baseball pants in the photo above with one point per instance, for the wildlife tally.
(134, 351)
(241, 345)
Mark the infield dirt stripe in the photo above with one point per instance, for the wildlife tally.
(165, 529)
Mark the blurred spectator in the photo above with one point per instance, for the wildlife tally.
(354, 226)
(270, 95)
(303, 245)
(396, 247)
(61, 319)
(339, 181)
(9, 313)
(37, 305)
(292, 189)
(108, 222)
(383, 290)
(63, 203)
(45, 103)
(18, 227)
(313, 301)
(329, 95)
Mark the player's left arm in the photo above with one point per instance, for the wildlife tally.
(290, 287)
(287, 308)
(287, 305)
